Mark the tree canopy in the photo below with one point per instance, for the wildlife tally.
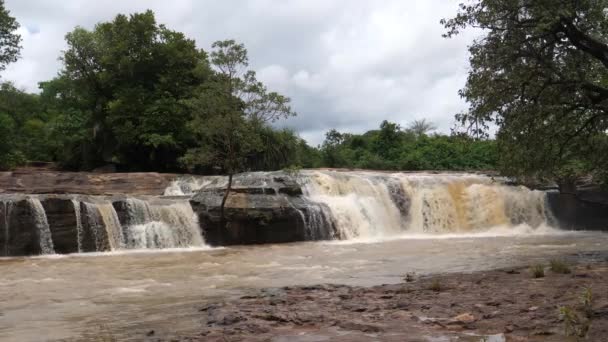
(10, 41)
(540, 73)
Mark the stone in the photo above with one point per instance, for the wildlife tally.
(61, 215)
(464, 318)
(42, 181)
(255, 215)
(366, 328)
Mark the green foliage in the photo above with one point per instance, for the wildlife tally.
(577, 323)
(587, 302)
(558, 266)
(129, 79)
(574, 325)
(24, 130)
(538, 271)
(391, 148)
(9, 40)
(230, 118)
(540, 74)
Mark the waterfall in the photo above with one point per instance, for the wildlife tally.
(375, 204)
(42, 226)
(6, 209)
(188, 185)
(162, 225)
(79, 229)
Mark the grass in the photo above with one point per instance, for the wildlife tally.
(558, 266)
(587, 302)
(538, 271)
(575, 324)
(436, 286)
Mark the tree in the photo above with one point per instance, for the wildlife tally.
(331, 148)
(259, 105)
(539, 73)
(130, 78)
(9, 40)
(230, 114)
(421, 127)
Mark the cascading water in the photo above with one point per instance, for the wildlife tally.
(42, 226)
(373, 204)
(162, 226)
(6, 211)
(79, 228)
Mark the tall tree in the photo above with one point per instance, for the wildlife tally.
(539, 73)
(130, 77)
(9, 40)
(230, 115)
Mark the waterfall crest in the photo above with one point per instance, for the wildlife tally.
(374, 204)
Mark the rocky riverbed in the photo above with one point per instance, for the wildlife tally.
(500, 305)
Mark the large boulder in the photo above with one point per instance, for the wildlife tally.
(263, 208)
(580, 206)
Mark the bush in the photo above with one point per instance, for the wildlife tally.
(558, 266)
(538, 271)
(436, 286)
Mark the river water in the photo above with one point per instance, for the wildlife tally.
(125, 294)
(156, 271)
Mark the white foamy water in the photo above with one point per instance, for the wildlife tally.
(162, 226)
(373, 205)
(42, 226)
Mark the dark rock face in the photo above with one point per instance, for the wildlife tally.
(269, 210)
(17, 224)
(583, 209)
(94, 236)
(61, 215)
(251, 219)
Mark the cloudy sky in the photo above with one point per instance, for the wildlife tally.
(347, 64)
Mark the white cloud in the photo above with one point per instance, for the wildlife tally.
(347, 64)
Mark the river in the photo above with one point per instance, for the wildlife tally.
(123, 294)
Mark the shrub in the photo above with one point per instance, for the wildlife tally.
(538, 271)
(558, 266)
(436, 286)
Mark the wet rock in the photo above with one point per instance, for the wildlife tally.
(255, 215)
(367, 328)
(61, 216)
(19, 224)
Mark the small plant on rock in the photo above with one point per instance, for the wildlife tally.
(538, 271)
(574, 325)
(587, 302)
(436, 286)
(558, 266)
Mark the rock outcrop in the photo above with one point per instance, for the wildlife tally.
(580, 207)
(263, 208)
(32, 181)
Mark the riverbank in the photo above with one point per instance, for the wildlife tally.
(500, 305)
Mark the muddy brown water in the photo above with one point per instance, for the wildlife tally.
(120, 295)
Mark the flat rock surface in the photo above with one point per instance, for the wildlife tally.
(33, 181)
(501, 305)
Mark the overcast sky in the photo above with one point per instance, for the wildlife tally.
(346, 64)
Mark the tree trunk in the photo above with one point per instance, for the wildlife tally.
(226, 193)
